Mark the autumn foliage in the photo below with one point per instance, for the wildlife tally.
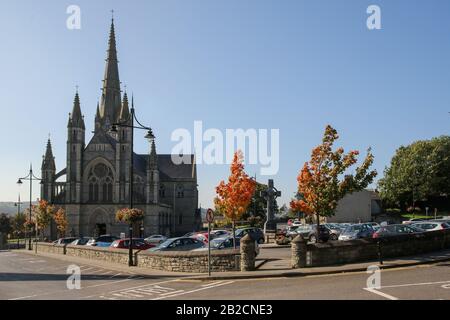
(61, 221)
(128, 215)
(322, 182)
(43, 214)
(234, 197)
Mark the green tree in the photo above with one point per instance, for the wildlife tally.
(5, 223)
(256, 210)
(417, 172)
(18, 224)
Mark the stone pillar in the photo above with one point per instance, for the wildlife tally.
(298, 259)
(247, 253)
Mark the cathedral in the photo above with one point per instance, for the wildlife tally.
(96, 180)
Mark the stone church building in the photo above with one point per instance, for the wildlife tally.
(95, 182)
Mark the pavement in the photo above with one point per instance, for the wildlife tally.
(26, 276)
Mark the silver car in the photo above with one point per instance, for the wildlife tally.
(178, 244)
(432, 225)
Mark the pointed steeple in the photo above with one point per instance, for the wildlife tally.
(124, 110)
(153, 161)
(111, 97)
(97, 113)
(76, 118)
(48, 162)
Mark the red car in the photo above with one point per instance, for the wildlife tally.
(202, 236)
(138, 244)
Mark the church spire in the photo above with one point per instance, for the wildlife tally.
(111, 97)
(76, 118)
(124, 111)
(48, 162)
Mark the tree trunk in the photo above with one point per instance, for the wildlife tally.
(234, 234)
(318, 227)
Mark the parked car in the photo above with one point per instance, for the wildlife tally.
(81, 241)
(102, 241)
(335, 230)
(138, 243)
(396, 229)
(219, 233)
(357, 231)
(179, 244)
(255, 233)
(202, 236)
(64, 240)
(432, 225)
(291, 231)
(309, 231)
(374, 225)
(156, 238)
(225, 243)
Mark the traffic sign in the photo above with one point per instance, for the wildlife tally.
(210, 216)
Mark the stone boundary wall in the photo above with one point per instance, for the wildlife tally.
(342, 252)
(176, 261)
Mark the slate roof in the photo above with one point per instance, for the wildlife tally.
(167, 169)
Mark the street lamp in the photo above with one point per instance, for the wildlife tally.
(17, 204)
(129, 123)
(30, 177)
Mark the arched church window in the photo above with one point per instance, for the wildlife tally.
(162, 191)
(101, 181)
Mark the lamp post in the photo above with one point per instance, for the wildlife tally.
(17, 204)
(30, 177)
(129, 123)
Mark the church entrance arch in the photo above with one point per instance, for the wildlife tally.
(99, 223)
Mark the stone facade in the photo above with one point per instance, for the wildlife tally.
(196, 262)
(96, 180)
(342, 252)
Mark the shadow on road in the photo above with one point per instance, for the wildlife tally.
(63, 277)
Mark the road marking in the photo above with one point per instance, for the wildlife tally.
(384, 295)
(104, 294)
(60, 291)
(213, 285)
(415, 284)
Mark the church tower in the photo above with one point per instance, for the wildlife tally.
(48, 170)
(153, 175)
(123, 152)
(75, 147)
(110, 103)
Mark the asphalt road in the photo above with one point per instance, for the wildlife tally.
(24, 276)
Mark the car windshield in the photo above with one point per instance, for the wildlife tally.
(166, 243)
(216, 243)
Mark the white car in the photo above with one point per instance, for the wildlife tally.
(432, 225)
(156, 238)
(296, 223)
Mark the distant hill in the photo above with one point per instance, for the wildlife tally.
(10, 209)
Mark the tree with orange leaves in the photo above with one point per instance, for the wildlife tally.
(43, 214)
(61, 221)
(322, 182)
(234, 197)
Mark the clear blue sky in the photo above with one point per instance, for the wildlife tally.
(293, 65)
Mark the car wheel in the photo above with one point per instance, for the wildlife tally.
(261, 241)
(313, 239)
(333, 237)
